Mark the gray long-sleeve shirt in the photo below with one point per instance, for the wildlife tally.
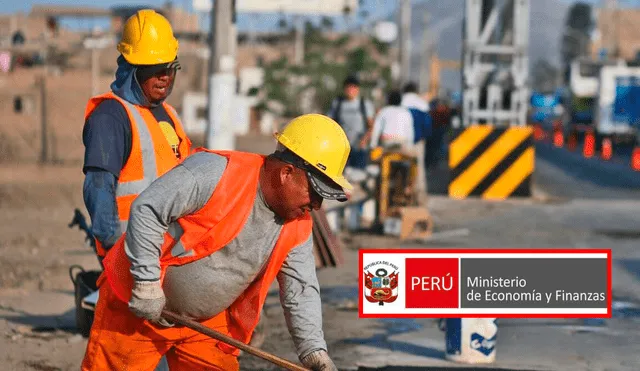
(351, 120)
(203, 288)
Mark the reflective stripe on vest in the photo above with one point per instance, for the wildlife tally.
(148, 157)
(173, 112)
(123, 226)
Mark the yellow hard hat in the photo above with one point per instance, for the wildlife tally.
(321, 142)
(147, 38)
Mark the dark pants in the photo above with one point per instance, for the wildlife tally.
(433, 148)
(358, 158)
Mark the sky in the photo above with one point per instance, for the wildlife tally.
(11, 6)
(379, 9)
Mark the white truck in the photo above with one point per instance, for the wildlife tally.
(602, 97)
(618, 109)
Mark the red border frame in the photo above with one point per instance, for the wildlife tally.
(361, 252)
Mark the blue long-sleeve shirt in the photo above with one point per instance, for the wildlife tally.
(99, 193)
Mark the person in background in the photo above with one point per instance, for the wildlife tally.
(393, 125)
(393, 132)
(419, 109)
(354, 114)
(441, 115)
(411, 99)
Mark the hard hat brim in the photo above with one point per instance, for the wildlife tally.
(326, 188)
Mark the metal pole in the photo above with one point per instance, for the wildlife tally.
(299, 44)
(222, 80)
(613, 23)
(405, 41)
(44, 149)
(426, 55)
(94, 70)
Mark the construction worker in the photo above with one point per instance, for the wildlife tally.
(206, 241)
(131, 135)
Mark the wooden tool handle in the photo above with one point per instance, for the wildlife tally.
(231, 341)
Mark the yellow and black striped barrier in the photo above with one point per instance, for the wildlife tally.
(491, 163)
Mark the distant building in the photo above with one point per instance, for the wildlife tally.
(28, 40)
(181, 20)
(617, 30)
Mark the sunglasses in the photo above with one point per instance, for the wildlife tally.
(146, 72)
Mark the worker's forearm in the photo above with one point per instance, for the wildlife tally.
(183, 190)
(300, 299)
(100, 201)
(366, 139)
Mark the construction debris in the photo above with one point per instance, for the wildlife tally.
(409, 223)
(327, 249)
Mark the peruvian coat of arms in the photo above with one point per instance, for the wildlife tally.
(381, 286)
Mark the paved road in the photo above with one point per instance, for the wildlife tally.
(567, 174)
(562, 173)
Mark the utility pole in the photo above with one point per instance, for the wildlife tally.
(299, 43)
(612, 28)
(426, 55)
(95, 68)
(405, 41)
(95, 44)
(222, 78)
(44, 132)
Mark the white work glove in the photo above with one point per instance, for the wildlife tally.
(319, 360)
(147, 300)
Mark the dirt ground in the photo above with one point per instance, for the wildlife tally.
(36, 250)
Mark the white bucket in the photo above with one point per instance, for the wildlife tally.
(471, 340)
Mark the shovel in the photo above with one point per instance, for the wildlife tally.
(231, 341)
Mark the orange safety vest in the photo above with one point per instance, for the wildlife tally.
(151, 155)
(202, 233)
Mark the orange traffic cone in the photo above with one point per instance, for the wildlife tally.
(589, 148)
(635, 159)
(538, 133)
(607, 149)
(558, 138)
